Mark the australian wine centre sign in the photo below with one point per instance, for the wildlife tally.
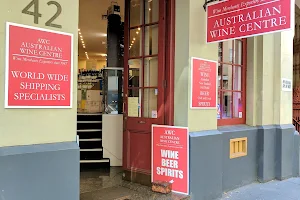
(234, 19)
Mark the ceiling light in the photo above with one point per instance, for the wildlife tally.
(133, 38)
(79, 33)
(81, 36)
(139, 28)
(137, 32)
(149, 9)
(79, 29)
(103, 54)
(81, 39)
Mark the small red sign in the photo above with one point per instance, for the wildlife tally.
(39, 68)
(245, 18)
(170, 156)
(203, 83)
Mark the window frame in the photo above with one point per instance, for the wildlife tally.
(234, 121)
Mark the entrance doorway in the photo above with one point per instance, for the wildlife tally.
(120, 136)
(146, 82)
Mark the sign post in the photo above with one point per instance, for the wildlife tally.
(39, 68)
(170, 156)
(246, 18)
(203, 84)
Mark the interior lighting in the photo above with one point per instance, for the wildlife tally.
(79, 29)
(133, 38)
(81, 36)
(139, 29)
(137, 32)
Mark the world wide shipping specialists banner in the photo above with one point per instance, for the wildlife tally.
(245, 18)
(39, 68)
(170, 156)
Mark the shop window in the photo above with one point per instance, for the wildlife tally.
(232, 83)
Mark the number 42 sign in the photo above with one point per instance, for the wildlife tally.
(35, 13)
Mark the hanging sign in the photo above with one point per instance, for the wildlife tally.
(203, 83)
(245, 18)
(170, 156)
(39, 68)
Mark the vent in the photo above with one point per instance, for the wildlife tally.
(238, 147)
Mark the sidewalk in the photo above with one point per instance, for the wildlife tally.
(108, 185)
(274, 190)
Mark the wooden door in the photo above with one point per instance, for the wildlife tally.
(144, 83)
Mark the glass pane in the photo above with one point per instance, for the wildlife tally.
(151, 40)
(219, 106)
(136, 13)
(227, 52)
(220, 51)
(134, 103)
(219, 75)
(150, 103)
(226, 105)
(151, 11)
(135, 43)
(150, 72)
(238, 52)
(135, 73)
(237, 105)
(227, 77)
(237, 78)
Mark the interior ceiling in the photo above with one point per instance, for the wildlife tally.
(93, 27)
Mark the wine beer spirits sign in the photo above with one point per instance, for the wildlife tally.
(170, 156)
(39, 68)
(233, 19)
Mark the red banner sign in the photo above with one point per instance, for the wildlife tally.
(245, 18)
(39, 68)
(203, 83)
(170, 156)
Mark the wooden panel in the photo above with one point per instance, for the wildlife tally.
(140, 152)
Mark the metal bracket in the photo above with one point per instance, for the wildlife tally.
(207, 2)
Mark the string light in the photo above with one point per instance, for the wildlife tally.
(81, 38)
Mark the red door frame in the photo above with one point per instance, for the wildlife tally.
(169, 45)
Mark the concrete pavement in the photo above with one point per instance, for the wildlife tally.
(274, 190)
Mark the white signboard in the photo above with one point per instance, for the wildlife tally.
(286, 85)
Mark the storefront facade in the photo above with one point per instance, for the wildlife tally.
(250, 138)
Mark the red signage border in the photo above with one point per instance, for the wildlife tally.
(40, 55)
(208, 86)
(223, 18)
(180, 184)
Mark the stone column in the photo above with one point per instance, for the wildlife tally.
(39, 155)
(205, 170)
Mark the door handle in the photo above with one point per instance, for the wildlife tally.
(141, 122)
